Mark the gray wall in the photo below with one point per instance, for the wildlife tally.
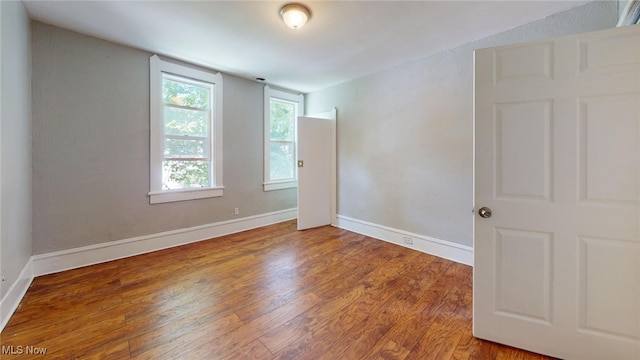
(91, 147)
(405, 137)
(15, 143)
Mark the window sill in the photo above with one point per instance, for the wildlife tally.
(159, 197)
(278, 185)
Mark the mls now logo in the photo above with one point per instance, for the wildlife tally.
(23, 350)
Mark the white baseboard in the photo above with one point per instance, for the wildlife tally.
(93, 254)
(445, 249)
(11, 301)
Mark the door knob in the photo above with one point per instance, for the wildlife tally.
(484, 212)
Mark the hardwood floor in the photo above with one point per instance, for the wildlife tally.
(269, 293)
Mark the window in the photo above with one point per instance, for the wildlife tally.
(186, 132)
(281, 109)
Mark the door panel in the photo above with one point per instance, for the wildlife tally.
(605, 307)
(523, 150)
(523, 283)
(609, 145)
(557, 159)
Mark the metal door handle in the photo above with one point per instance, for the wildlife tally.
(484, 212)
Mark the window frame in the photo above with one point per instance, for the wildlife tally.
(158, 67)
(298, 100)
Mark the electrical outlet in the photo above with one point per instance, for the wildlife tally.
(408, 240)
(236, 211)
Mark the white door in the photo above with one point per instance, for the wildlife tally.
(557, 161)
(316, 174)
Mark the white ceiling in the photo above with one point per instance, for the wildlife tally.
(342, 41)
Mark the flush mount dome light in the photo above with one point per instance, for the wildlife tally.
(295, 15)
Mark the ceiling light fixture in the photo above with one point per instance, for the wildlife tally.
(295, 15)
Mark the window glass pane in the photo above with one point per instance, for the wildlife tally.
(185, 94)
(179, 121)
(282, 118)
(281, 161)
(185, 174)
(181, 148)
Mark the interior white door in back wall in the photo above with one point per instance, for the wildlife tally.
(316, 170)
(557, 161)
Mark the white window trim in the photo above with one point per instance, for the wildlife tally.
(269, 93)
(157, 195)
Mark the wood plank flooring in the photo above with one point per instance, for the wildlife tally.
(269, 293)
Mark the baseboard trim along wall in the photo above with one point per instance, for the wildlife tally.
(445, 249)
(11, 301)
(94, 254)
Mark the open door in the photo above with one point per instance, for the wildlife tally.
(557, 195)
(316, 170)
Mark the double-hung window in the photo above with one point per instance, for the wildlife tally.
(186, 132)
(281, 110)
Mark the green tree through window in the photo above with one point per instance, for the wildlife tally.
(282, 140)
(187, 141)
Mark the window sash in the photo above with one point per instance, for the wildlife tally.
(292, 143)
(291, 122)
(189, 81)
(206, 140)
(292, 165)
